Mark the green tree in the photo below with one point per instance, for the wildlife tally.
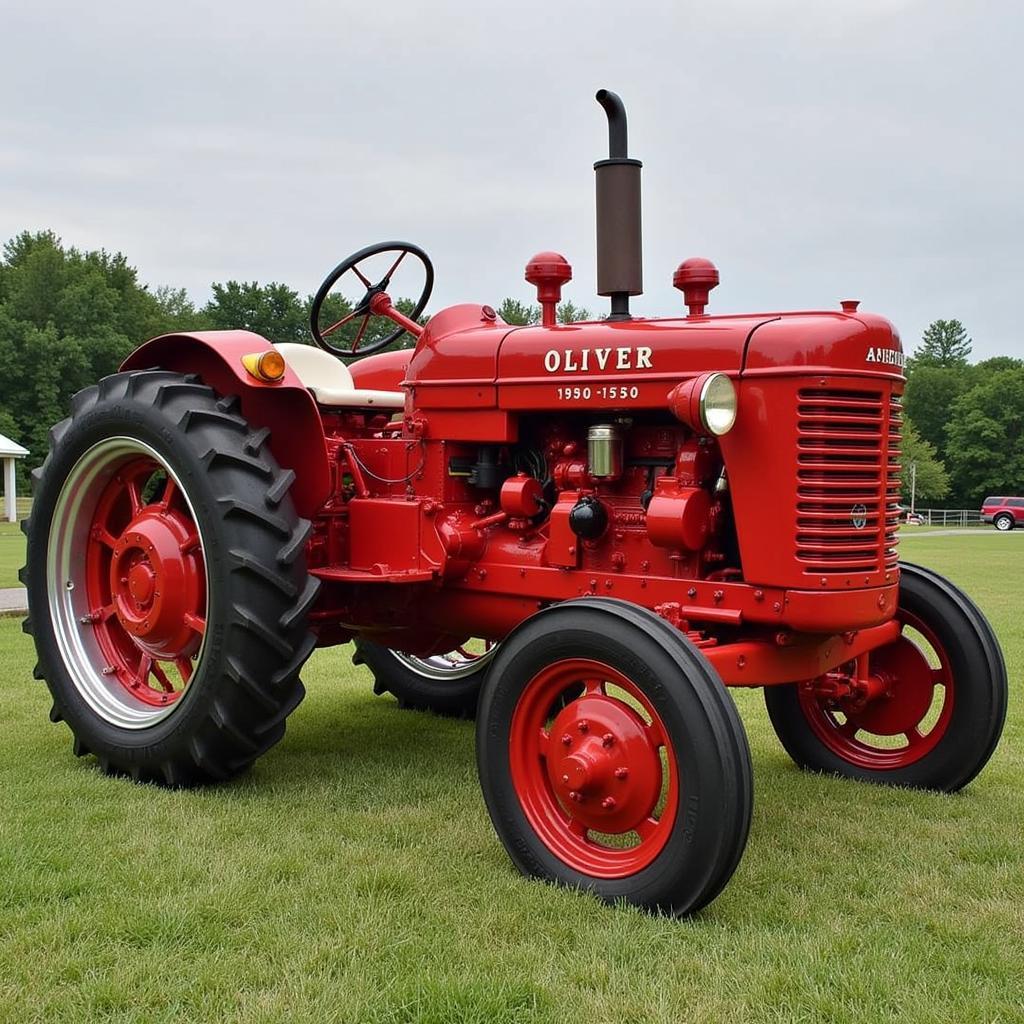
(67, 318)
(944, 343)
(924, 477)
(568, 313)
(986, 437)
(274, 310)
(521, 314)
(930, 394)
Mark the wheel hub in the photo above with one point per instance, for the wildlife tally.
(156, 582)
(605, 768)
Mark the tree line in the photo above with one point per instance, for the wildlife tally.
(69, 317)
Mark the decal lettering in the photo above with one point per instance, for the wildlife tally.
(886, 356)
(639, 358)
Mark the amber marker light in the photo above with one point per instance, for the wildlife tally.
(267, 366)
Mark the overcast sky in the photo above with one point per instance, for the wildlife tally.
(814, 150)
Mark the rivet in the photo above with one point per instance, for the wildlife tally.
(607, 739)
(622, 773)
(566, 740)
(584, 726)
(608, 803)
(565, 778)
(575, 796)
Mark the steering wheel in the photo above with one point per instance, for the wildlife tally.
(376, 301)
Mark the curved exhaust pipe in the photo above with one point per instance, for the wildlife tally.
(619, 252)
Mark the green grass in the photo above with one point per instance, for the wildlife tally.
(12, 553)
(353, 876)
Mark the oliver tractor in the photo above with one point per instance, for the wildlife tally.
(582, 534)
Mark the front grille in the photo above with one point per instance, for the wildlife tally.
(848, 480)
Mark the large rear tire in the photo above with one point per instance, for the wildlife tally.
(167, 584)
(612, 757)
(942, 715)
(446, 684)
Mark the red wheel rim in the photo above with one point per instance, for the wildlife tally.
(126, 583)
(593, 768)
(904, 708)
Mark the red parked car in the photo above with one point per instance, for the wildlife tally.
(1003, 513)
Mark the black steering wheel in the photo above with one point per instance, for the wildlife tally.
(367, 307)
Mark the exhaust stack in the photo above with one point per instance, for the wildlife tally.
(619, 254)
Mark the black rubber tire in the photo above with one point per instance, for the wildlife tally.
(979, 710)
(707, 840)
(246, 682)
(1004, 522)
(455, 698)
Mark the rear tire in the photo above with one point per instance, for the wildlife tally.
(1003, 522)
(612, 758)
(948, 743)
(169, 621)
(444, 684)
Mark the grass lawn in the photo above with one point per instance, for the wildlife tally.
(12, 553)
(353, 876)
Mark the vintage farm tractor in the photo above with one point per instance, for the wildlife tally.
(582, 533)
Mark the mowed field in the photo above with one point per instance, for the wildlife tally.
(353, 875)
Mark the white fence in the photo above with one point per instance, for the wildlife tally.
(950, 516)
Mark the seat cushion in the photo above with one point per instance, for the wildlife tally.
(327, 377)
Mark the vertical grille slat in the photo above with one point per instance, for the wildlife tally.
(848, 449)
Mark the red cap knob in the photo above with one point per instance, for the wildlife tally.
(696, 277)
(548, 271)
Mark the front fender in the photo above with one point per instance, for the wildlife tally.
(285, 407)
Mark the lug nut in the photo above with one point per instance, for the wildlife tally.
(608, 803)
(622, 773)
(607, 739)
(584, 726)
(565, 778)
(575, 796)
(566, 740)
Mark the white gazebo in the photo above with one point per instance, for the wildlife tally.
(9, 451)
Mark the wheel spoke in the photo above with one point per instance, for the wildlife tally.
(134, 495)
(189, 544)
(105, 537)
(654, 734)
(647, 827)
(913, 736)
(394, 266)
(195, 622)
(344, 320)
(362, 277)
(544, 739)
(577, 828)
(849, 729)
(170, 492)
(141, 678)
(939, 677)
(184, 666)
(161, 677)
(360, 333)
(594, 686)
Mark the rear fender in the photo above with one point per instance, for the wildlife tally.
(286, 408)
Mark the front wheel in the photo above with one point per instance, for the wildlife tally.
(612, 758)
(166, 581)
(941, 704)
(1003, 522)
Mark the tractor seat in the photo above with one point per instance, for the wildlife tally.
(330, 382)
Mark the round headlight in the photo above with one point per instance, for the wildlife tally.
(718, 404)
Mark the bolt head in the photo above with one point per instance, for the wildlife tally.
(566, 740)
(608, 803)
(622, 773)
(607, 739)
(584, 726)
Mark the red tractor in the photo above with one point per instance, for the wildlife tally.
(581, 533)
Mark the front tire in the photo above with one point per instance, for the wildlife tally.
(942, 715)
(1003, 522)
(166, 581)
(612, 758)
